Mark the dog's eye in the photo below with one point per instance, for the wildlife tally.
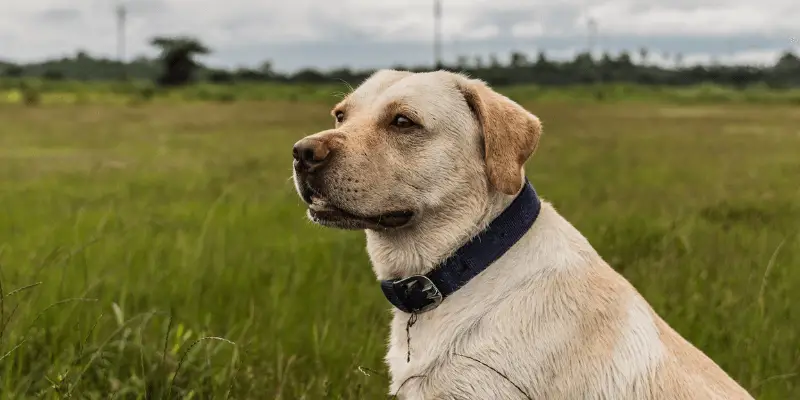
(339, 116)
(401, 121)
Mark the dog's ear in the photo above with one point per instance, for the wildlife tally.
(510, 134)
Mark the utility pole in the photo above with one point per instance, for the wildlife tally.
(437, 33)
(592, 35)
(121, 15)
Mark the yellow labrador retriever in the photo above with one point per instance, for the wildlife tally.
(495, 295)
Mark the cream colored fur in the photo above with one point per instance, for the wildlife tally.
(550, 314)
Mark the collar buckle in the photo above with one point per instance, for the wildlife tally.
(418, 293)
(421, 293)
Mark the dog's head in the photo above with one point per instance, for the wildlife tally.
(405, 144)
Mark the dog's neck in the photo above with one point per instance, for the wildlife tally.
(420, 248)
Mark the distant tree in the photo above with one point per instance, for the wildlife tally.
(247, 74)
(607, 67)
(53, 75)
(583, 60)
(624, 59)
(479, 62)
(140, 59)
(266, 69)
(518, 59)
(643, 53)
(309, 75)
(584, 68)
(14, 71)
(541, 59)
(220, 76)
(177, 57)
(462, 62)
(494, 62)
(788, 62)
(786, 71)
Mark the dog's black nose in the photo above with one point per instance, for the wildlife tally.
(311, 154)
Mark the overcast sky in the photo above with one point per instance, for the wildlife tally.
(375, 33)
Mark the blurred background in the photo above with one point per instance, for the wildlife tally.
(152, 245)
(651, 42)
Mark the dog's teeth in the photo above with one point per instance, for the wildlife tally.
(318, 201)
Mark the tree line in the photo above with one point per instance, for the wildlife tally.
(176, 65)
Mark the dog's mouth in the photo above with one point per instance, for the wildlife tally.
(323, 212)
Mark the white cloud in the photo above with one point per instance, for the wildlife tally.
(34, 29)
(484, 32)
(527, 30)
(709, 18)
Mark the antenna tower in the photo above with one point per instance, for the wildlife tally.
(122, 14)
(592, 37)
(437, 33)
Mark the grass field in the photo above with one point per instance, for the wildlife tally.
(160, 249)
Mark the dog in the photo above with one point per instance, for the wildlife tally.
(495, 295)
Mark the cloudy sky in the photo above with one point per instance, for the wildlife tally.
(374, 33)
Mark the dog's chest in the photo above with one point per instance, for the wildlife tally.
(515, 347)
(451, 350)
(418, 342)
(439, 359)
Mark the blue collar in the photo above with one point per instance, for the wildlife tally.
(421, 293)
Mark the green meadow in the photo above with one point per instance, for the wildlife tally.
(152, 245)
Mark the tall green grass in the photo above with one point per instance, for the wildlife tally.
(159, 251)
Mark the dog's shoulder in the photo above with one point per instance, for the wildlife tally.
(546, 320)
